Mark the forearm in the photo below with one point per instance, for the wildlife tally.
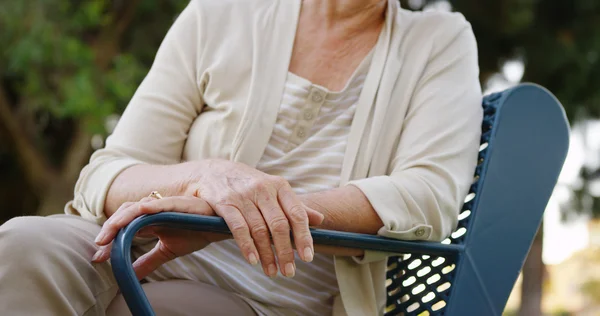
(345, 209)
(138, 181)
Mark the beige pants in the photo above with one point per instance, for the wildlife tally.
(46, 269)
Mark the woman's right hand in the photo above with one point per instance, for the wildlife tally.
(257, 207)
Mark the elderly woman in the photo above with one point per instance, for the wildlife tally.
(351, 115)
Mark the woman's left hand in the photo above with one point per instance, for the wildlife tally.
(172, 242)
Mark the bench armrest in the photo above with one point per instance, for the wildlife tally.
(138, 302)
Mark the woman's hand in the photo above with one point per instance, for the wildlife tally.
(172, 242)
(257, 206)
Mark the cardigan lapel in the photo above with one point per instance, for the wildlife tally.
(358, 131)
(274, 36)
(356, 165)
(383, 101)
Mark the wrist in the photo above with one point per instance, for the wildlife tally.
(192, 175)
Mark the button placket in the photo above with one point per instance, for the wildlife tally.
(308, 114)
(307, 117)
(317, 96)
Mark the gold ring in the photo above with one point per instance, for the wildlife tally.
(155, 195)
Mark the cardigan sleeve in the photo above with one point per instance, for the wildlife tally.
(436, 156)
(154, 126)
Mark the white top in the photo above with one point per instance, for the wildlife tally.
(307, 149)
(216, 86)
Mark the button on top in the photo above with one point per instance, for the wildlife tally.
(301, 133)
(317, 97)
(308, 115)
(420, 232)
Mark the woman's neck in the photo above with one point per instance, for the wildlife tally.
(347, 16)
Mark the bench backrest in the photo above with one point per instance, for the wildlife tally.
(525, 139)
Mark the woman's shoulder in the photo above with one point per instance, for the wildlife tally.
(228, 17)
(428, 25)
(432, 32)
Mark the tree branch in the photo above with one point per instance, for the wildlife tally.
(33, 163)
(107, 44)
(126, 18)
(77, 155)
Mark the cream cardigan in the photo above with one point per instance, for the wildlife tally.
(216, 86)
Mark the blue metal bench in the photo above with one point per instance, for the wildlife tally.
(523, 146)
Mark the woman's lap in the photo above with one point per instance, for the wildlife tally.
(47, 264)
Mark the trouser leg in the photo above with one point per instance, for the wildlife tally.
(46, 269)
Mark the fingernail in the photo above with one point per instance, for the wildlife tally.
(253, 259)
(100, 237)
(290, 271)
(308, 254)
(97, 255)
(272, 270)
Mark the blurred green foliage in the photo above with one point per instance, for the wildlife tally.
(557, 40)
(55, 58)
(65, 66)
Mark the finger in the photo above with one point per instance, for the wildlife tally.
(296, 213)
(108, 231)
(182, 204)
(152, 260)
(280, 231)
(102, 254)
(262, 239)
(124, 205)
(239, 229)
(315, 218)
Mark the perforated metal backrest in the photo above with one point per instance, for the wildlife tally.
(524, 142)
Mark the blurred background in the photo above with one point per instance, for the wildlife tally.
(69, 67)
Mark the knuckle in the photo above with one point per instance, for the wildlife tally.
(249, 208)
(280, 225)
(246, 245)
(143, 207)
(260, 186)
(298, 214)
(279, 181)
(260, 231)
(166, 252)
(286, 253)
(231, 198)
(111, 225)
(238, 227)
